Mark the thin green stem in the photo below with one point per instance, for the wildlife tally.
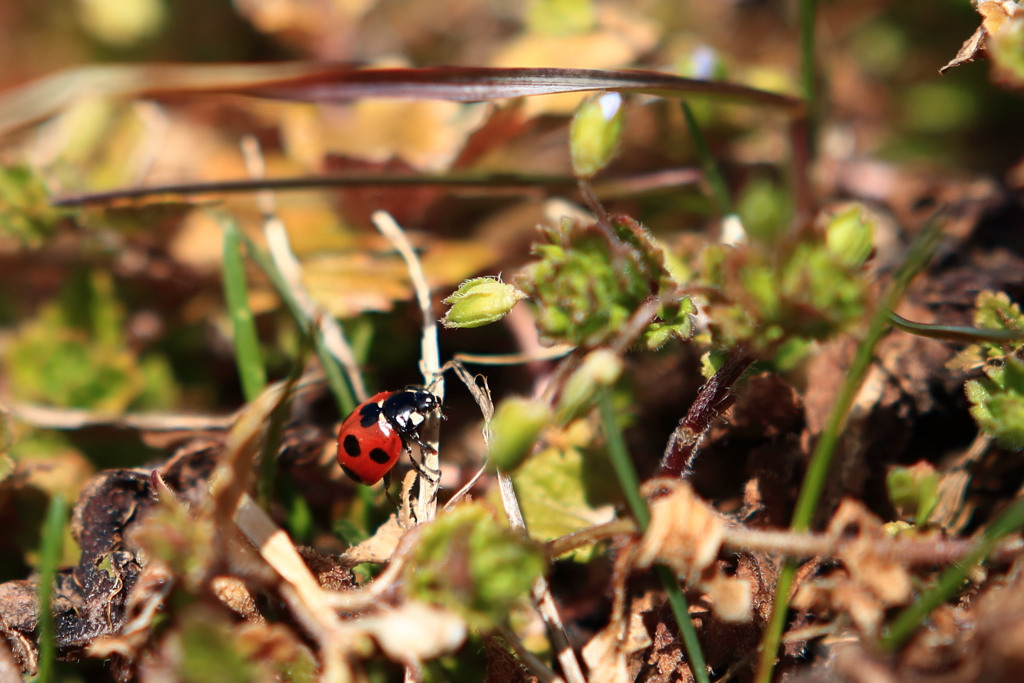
(955, 332)
(622, 463)
(952, 580)
(707, 162)
(807, 66)
(50, 552)
(247, 346)
(630, 483)
(817, 470)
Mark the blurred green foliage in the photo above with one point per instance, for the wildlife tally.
(75, 354)
(560, 17)
(470, 563)
(25, 210)
(209, 650)
(914, 491)
(515, 428)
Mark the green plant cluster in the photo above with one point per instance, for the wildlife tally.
(997, 399)
(813, 286)
(589, 280)
(75, 354)
(469, 563)
(25, 210)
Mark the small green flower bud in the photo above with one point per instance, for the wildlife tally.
(595, 133)
(848, 235)
(480, 301)
(516, 425)
(600, 368)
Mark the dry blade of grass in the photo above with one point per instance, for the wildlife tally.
(430, 361)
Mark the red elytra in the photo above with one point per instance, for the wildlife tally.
(372, 438)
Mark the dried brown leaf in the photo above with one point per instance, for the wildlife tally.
(415, 631)
(377, 548)
(685, 533)
(608, 652)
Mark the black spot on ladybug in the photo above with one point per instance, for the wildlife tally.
(352, 475)
(379, 455)
(370, 413)
(351, 446)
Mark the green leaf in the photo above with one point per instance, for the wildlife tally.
(566, 488)
(997, 402)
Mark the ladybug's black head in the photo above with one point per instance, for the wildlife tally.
(408, 409)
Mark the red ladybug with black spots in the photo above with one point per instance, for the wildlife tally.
(373, 437)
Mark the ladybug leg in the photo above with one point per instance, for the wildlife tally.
(427, 447)
(387, 490)
(433, 476)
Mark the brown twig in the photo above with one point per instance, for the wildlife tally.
(712, 400)
(908, 551)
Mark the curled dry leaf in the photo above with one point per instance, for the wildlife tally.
(871, 582)
(883, 577)
(730, 597)
(608, 652)
(685, 533)
(377, 548)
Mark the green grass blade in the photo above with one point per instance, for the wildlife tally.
(807, 66)
(332, 369)
(630, 483)
(247, 345)
(50, 553)
(707, 162)
(817, 470)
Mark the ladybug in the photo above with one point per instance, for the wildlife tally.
(373, 437)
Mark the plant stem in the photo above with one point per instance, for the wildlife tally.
(807, 66)
(959, 333)
(50, 552)
(630, 483)
(817, 470)
(712, 399)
